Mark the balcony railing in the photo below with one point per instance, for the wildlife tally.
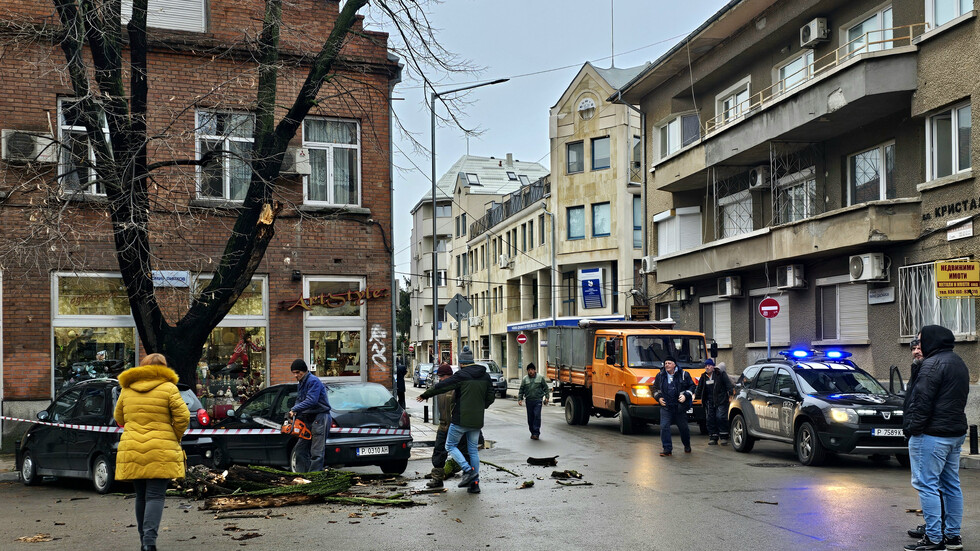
(513, 203)
(872, 41)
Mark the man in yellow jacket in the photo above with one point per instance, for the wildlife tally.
(154, 418)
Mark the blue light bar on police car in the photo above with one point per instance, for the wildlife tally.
(836, 354)
(797, 353)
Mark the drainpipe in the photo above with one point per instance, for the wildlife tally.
(395, 289)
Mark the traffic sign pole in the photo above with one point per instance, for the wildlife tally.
(768, 337)
(769, 308)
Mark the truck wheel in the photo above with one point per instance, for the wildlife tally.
(809, 450)
(586, 412)
(626, 425)
(741, 440)
(573, 409)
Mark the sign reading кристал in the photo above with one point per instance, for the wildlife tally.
(957, 279)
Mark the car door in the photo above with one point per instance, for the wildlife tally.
(764, 416)
(604, 373)
(51, 443)
(786, 397)
(89, 410)
(252, 448)
(279, 451)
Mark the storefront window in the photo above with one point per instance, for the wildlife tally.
(92, 296)
(336, 353)
(250, 303)
(336, 326)
(82, 353)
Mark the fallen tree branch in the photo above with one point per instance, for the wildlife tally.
(498, 467)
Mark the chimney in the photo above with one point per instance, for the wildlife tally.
(510, 160)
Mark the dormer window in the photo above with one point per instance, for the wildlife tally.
(511, 175)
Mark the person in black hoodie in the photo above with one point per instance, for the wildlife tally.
(935, 422)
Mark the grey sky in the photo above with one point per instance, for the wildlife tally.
(547, 40)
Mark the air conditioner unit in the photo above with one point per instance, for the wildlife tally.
(296, 161)
(729, 286)
(465, 280)
(454, 325)
(506, 261)
(790, 277)
(418, 323)
(759, 177)
(20, 147)
(814, 32)
(648, 265)
(867, 267)
(476, 321)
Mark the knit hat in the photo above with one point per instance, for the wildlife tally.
(709, 361)
(444, 369)
(466, 356)
(531, 366)
(299, 365)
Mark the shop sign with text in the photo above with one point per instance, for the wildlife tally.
(957, 279)
(335, 300)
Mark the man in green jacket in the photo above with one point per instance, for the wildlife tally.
(534, 388)
(472, 393)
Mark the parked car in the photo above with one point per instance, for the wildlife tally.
(433, 379)
(353, 405)
(421, 375)
(496, 376)
(820, 403)
(45, 450)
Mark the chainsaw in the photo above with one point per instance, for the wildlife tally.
(296, 428)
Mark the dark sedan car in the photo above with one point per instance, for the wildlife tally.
(353, 405)
(74, 453)
(820, 403)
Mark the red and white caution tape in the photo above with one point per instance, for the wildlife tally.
(211, 432)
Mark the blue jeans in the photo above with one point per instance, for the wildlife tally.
(150, 493)
(936, 464)
(534, 416)
(456, 433)
(309, 453)
(676, 413)
(716, 418)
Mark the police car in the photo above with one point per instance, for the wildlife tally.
(820, 402)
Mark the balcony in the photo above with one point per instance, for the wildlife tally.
(832, 234)
(854, 85)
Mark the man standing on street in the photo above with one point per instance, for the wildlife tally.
(400, 370)
(715, 389)
(313, 408)
(444, 404)
(935, 422)
(674, 389)
(534, 388)
(472, 393)
(916, 347)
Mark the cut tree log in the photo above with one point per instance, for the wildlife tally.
(237, 503)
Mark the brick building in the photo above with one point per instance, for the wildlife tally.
(322, 290)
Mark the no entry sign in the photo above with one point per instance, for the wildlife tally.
(769, 308)
(521, 338)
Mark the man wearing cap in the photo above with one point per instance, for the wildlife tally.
(313, 408)
(472, 393)
(673, 389)
(534, 388)
(715, 390)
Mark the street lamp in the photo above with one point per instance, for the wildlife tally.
(435, 253)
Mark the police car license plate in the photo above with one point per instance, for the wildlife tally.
(886, 432)
(373, 450)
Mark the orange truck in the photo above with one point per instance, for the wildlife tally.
(607, 368)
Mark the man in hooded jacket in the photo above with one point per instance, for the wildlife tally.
(935, 422)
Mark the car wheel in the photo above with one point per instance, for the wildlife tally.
(626, 425)
(293, 459)
(503, 393)
(28, 470)
(741, 440)
(394, 467)
(903, 459)
(809, 450)
(219, 457)
(102, 475)
(572, 406)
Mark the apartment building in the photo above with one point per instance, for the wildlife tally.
(566, 247)
(819, 153)
(322, 291)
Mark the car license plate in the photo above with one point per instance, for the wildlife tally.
(887, 432)
(373, 450)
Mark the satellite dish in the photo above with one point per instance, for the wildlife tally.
(856, 267)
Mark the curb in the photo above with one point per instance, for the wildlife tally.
(969, 461)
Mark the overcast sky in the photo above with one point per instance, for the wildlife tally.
(540, 45)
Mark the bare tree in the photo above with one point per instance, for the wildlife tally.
(134, 164)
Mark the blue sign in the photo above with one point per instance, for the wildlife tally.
(171, 278)
(591, 281)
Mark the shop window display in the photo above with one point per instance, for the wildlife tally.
(232, 367)
(335, 353)
(83, 353)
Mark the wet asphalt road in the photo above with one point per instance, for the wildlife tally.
(713, 498)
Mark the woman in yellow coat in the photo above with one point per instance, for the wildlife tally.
(154, 418)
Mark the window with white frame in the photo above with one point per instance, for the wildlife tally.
(442, 277)
(473, 179)
(940, 12)
(677, 133)
(871, 174)
(175, 15)
(601, 223)
(796, 196)
(576, 222)
(335, 166)
(794, 71)
(77, 159)
(716, 321)
(444, 211)
(842, 312)
(948, 142)
(871, 34)
(678, 229)
(735, 213)
(734, 101)
(919, 306)
(336, 330)
(227, 135)
(779, 326)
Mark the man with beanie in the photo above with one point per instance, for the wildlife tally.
(534, 388)
(674, 389)
(313, 408)
(715, 390)
(472, 393)
(439, 454)
(935, 422)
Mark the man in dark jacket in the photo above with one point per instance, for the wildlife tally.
(715, 390)
(313, 408)
(674, 389)
(535, 390)
(935, 422)
(400, 370)
(473, 393)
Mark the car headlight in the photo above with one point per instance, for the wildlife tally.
(642, 391)
(844, 415)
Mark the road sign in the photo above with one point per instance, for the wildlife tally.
(458, 307)
(411, 348)
(957, 279)
(769, 308)
(521, 338)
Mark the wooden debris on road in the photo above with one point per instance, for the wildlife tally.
(573, 483)
(36, 538)
(543, 461)
(767, 502)
(568, 473)
(526, 484)
(498, 467)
